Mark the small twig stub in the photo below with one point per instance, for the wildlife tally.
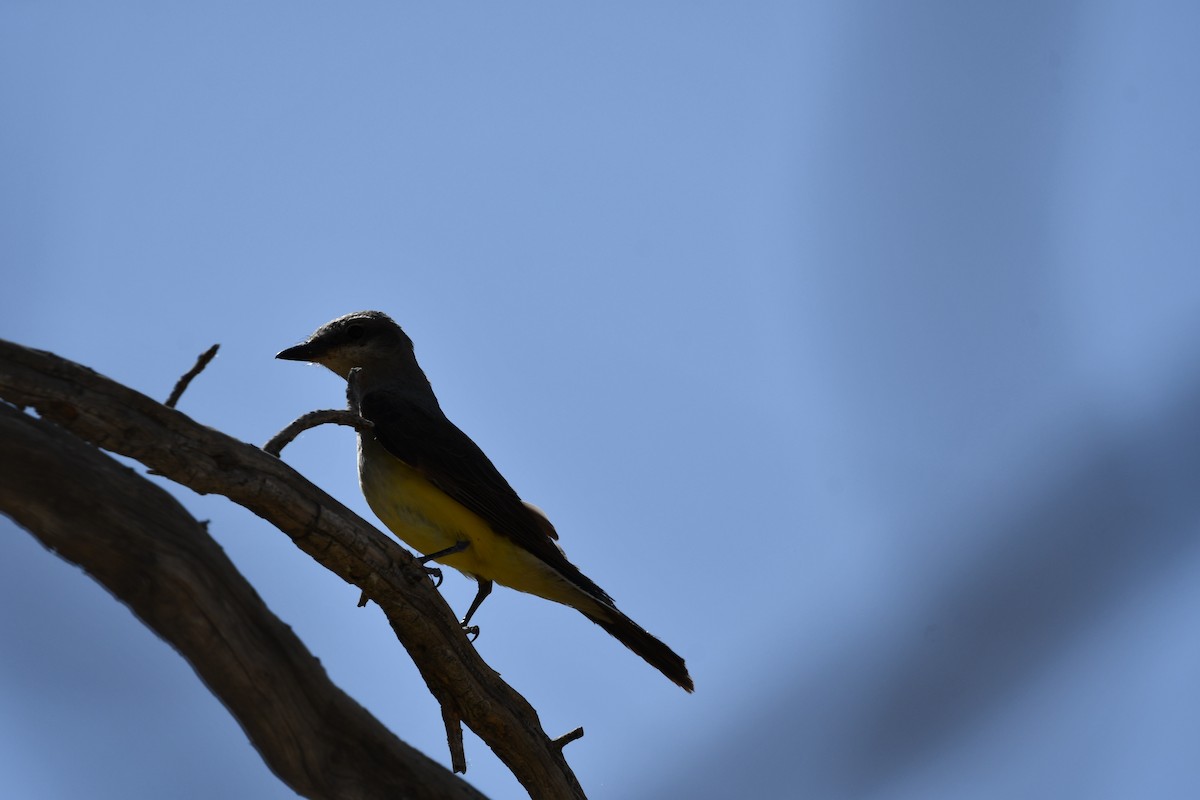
(454, 738)
(183, 382)
(567, 738)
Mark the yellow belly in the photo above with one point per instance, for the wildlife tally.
(428, 520)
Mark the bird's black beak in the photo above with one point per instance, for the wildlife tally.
(301, 352)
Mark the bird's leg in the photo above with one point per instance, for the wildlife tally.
(457, 547)
(434, 572)
(485, 588)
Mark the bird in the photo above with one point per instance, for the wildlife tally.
(436, 490)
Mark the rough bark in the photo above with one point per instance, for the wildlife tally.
(116, 418)
(140, 543)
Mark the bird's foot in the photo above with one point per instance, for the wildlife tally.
(435, 574)
(472, 631)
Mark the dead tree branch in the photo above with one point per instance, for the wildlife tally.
(116, 418)
(147, 550)
(182, 384)
(311, 420)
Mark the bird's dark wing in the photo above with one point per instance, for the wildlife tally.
(427, 441)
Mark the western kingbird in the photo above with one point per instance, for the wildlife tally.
(437, 491)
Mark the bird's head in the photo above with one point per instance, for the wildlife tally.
(361, 339)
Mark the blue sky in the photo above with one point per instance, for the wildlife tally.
(852, 347)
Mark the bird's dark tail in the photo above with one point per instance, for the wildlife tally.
(637, 639)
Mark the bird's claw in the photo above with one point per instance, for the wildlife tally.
(435, 574)
(472, 632)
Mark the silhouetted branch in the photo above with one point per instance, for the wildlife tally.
(182, 384)
(146, 549)
(311, 420)
(454, 737)
(567, 738)
(119, 419)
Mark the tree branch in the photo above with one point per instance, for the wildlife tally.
(311, 420)
(119, 419)
(187, 377)
(152, 554)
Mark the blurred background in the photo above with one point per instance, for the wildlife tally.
(854, 348)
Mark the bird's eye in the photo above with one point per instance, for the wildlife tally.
(354, 332)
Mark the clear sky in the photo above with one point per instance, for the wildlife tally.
(854, 348)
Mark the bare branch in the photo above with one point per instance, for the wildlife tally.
(454, 736)
(567, 738)
(311, 420)
(183, 382)
(117, 418)
(147, 550)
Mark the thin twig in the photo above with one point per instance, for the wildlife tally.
(454, 738)
(183, 382)
(311, 420)
(567, 738)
